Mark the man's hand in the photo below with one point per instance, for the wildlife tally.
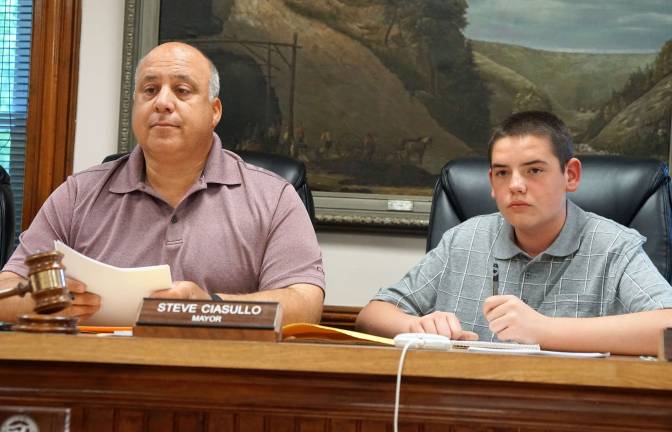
(84, 304)
(182, 290)
(443, 323)
(512, 320)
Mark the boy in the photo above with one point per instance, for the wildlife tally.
(567, 279)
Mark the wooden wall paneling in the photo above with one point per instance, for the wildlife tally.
(339, 425)
(372, 426)
(221, 422)
(311, 425)
(286, 398)
(305, 386)
(96, 419)
(249, 422)
(126, 420)
(160, 421)
(52, 100)
(280, 423)
(189, 422)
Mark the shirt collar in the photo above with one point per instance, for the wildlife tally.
(565, 244)
(221, 167)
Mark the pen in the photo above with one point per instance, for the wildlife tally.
(495, 279)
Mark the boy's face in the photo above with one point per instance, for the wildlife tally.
(528, 183)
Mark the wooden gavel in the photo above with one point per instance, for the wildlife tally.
(46, 284)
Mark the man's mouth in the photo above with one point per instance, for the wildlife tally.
(162, 124)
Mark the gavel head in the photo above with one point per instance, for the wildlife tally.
(46, 276)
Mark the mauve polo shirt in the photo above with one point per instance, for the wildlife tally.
(239, 229)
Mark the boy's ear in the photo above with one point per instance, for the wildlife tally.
(573, 174)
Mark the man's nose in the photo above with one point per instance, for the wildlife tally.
(165, 101)
(517, 184)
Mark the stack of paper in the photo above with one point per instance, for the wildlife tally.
(121, 290)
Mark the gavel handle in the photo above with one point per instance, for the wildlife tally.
(20, 289)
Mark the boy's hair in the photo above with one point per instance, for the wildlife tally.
(537, 123)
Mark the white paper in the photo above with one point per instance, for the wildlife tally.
(121, 290)
(539, 352)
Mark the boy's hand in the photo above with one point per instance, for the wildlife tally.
(443, 323)
(512, 320)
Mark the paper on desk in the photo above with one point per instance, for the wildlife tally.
(121, 290)
(539, 352)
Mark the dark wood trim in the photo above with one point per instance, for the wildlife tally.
(340, 316)
(52, 100)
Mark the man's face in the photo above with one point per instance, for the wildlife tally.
(528, 183)
(172, 113)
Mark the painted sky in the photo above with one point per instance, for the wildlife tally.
(573, 25)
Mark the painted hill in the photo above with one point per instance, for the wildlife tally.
(575, 84)
(342, 87)
(573, 79)
(643, 127)
(508, 87)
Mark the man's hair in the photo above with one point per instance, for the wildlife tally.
(540, 124)
(213, 82)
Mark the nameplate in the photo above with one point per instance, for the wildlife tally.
(665, 351)
(207, 319)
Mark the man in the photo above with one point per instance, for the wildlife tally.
(568, 279)
(227, 229)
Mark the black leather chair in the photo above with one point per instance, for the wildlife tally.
(292, 170)
(6, 217)
(633, 192)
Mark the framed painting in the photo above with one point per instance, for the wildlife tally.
(375, 96)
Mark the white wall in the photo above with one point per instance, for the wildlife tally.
(99, 82)
(357, 264)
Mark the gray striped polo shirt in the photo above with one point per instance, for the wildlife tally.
(594, 267)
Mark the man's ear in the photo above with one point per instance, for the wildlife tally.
(216, 112)
(492, 188)
(573, 174)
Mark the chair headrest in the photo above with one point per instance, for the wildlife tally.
(4, 176)
(611, 186)
(292, 170)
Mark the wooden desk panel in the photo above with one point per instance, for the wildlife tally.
(184, 385)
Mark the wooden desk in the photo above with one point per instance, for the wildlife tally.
(133, 384)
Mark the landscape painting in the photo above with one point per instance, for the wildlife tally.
(377, 95)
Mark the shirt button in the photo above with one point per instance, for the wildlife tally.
(173, 219)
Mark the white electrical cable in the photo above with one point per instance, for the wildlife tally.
(398, 391)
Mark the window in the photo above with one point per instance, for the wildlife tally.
(15, 35)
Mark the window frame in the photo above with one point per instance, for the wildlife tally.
(52, 100)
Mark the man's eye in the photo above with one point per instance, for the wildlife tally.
(500, 173)
(183, 91)
(536, 170)
(150, 90)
